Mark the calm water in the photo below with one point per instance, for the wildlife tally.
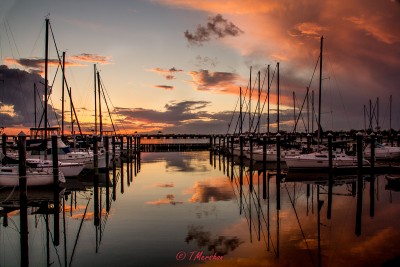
(185, 209)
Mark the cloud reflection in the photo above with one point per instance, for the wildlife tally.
(210, 191)
(220, 245)
(169, 199)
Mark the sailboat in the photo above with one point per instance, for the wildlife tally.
(39, 146)
(383, 151)
(9, 176)
(320, 159)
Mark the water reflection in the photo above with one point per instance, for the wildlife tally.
(145, 212)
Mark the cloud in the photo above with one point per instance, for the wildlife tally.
(307, 29)
(169, 199)
(92, 58)
(217, 27)
(169, 74)
(166, 185)
(359, 36)
(165, 87)
(371, 26)
(227, 6)
(210, 191)
(36, 65)
(220, 82)
(17, 102)
(187, 116)
(33, 65)
(203, 62)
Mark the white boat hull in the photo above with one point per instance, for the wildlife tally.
(9, 176)
(319, 160)
(383, 152)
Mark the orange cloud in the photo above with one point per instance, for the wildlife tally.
(371, 26)
(36, 65)
(211, 190)
(227, 6)
(93, 58)
(217, 82)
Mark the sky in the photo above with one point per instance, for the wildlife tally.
(177, 66)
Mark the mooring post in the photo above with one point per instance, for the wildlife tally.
(139, 148)
(131, 148)
(372, 177)
(54, 148)
(106, 145)
(4, 143)
(241, 159)
(264, 166)
(308, 143)
(122, 166)
(224, 140)
(330, 184)
(95, 154)
(232, 156)
(232, 143)
(278, 171)
(219, 143)
(251, 162)
(23, 199)
(127, 149)
(121, 145)
(96, 180)
(359, 138)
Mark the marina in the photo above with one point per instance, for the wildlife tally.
(202, 202)
(177, 133)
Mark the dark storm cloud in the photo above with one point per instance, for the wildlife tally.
(217, 27)
(175, 112)
(178, 117)
(17, 88)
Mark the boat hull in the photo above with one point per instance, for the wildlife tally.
(34, 177)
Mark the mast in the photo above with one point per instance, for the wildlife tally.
(365, 119)
(259, 104)
(100, 117)
(294, 111)
(71, 107)
(308, 110)
(320, 89)
(62, 96)
(377, 115)
(95, 101)
(268, 101)
(250, 104)
(390, 113)
(240, 112)
(46, 63)
(370, 115)
(34, 101)
(312, 112)
(277, 118)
